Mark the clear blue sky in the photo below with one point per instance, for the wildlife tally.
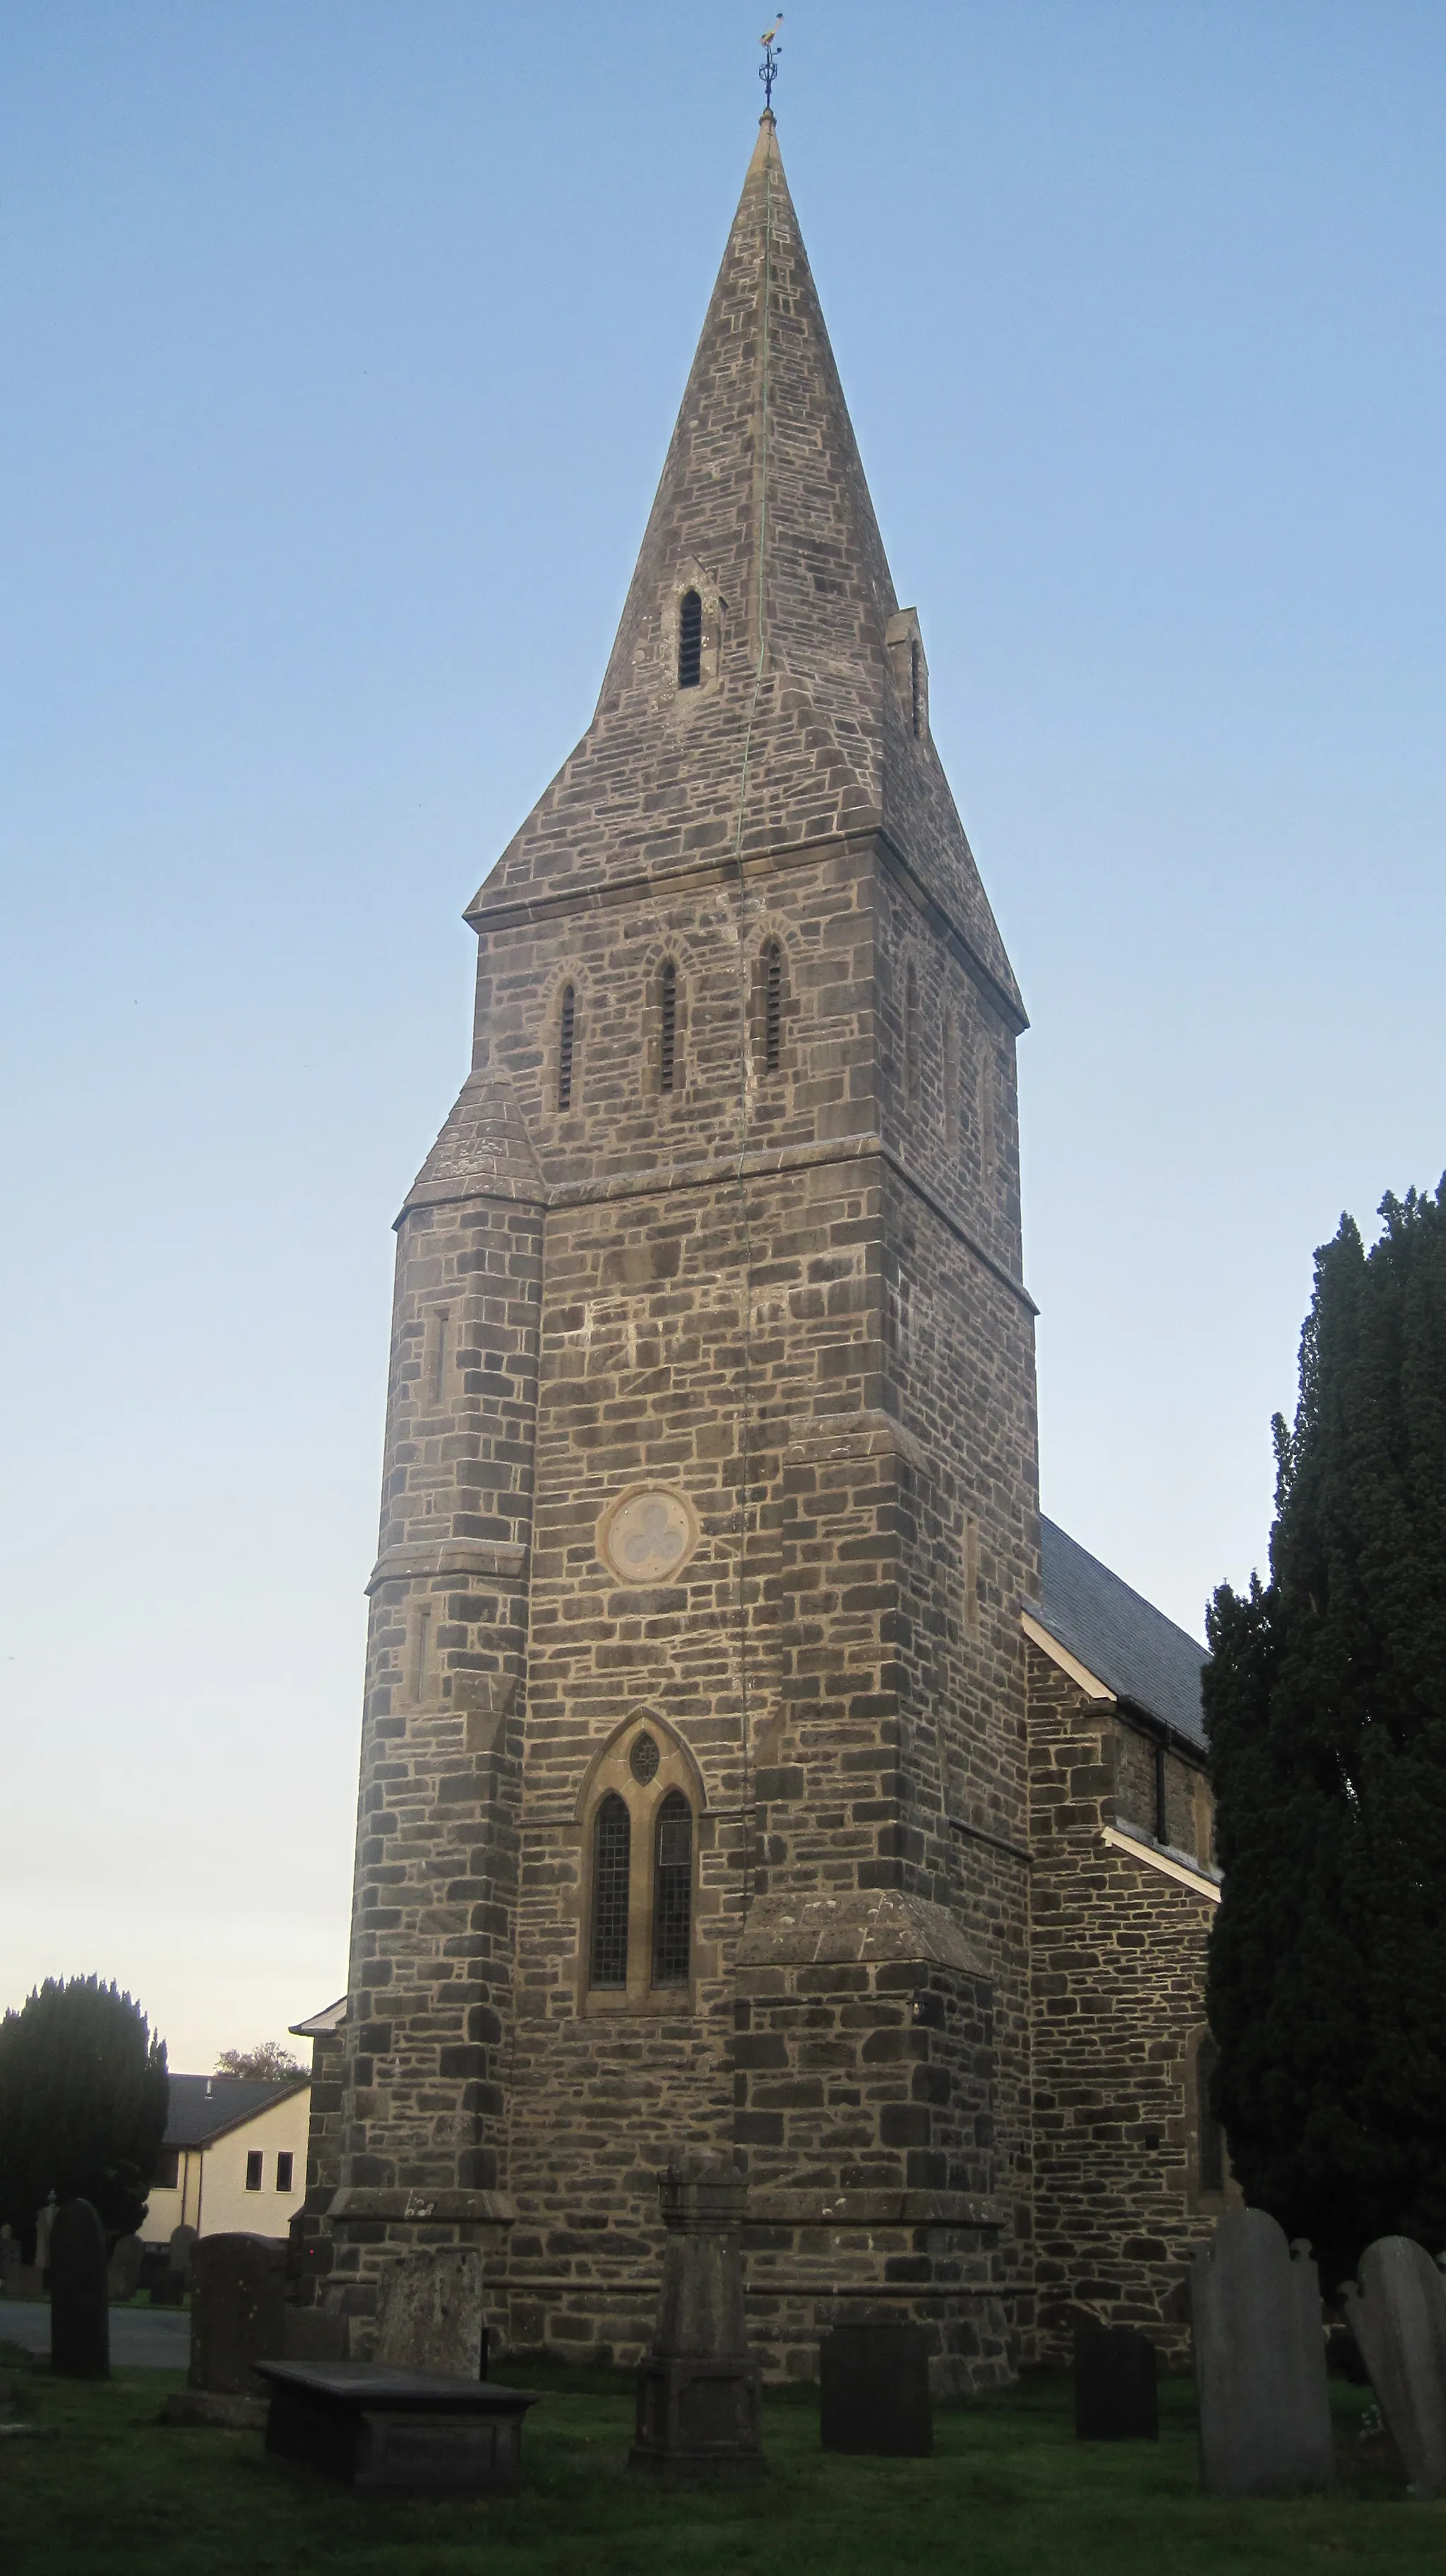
(341, 344)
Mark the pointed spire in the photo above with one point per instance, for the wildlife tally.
(800, 727)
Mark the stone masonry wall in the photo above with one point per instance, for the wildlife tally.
(1118, 1984)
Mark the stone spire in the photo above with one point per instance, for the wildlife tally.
(811, 716)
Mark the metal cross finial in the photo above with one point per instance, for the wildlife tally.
(768, 68)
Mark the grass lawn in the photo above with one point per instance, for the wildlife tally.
(1008, 2489)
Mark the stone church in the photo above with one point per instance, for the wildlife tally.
(744, 1762)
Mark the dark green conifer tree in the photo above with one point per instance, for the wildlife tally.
(83, 2103)
(1326, 1710)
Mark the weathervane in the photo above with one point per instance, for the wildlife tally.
(768, 68)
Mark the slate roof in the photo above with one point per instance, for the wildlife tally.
(1126, 1642)
(204, 2106)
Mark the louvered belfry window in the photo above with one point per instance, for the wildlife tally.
(667, 1024)
(672, 1891)
(566, 1046)
(690, 640)
(916, 694)
(772, 1006)
(611, 1870)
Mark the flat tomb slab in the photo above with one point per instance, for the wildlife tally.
(396, 2432)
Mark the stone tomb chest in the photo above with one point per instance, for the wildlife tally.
(396, 2432)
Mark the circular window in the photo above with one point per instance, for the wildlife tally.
(646, 1535)
(644, 1759)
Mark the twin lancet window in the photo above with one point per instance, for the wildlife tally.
(655, 1919)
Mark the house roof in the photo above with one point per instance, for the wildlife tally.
(204, 2106)
(1129, 1645)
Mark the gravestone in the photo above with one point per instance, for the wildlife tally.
(44, 2222)
(168, 2287)
(1260, 2374)
(79, 2295)
(429, 2313)
(125, 2268)
(697, 2388)
(184, 2241)
(1397, 2314)
(1116, 2397)
(238, 2307)
(874, 2389)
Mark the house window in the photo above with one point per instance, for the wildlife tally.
(284, 2164)
(566, 1046)
(690, 640)
(1211, 2135)
(254, 2163)
(667, 1024)
(168, 2170)
(772, 1006)
(672, 1891)
(611, 1876)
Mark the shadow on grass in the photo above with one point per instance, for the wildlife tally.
(1008, 2490)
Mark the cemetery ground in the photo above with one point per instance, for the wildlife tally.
(1008, 2490)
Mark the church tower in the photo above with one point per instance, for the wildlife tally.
(693, 1803)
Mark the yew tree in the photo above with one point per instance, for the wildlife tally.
(83, 2104)
(1326, 1710)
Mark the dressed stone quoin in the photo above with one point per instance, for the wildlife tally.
(734, 1774)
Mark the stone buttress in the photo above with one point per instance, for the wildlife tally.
(693, 1808)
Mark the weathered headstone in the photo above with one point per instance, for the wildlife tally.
(874, 2389)
(1398, 2317)
(697, 2388)
(79, 2295)
(1116, 2396)
(44, 2223)
(125, 2268)
(238, 2303)
(1260, 2374)
(184, 2241)
(168, 2287)
(430, 2311)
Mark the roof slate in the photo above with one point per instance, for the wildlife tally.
(202, 2106)
(1127, 1643)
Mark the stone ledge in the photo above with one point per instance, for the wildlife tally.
(1170, 1864)
(871, 1433)
(872, 2209)
(439, 2208)
(449, 1556)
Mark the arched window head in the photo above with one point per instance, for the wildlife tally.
(611, 1876)
(667, 1024)
(1211, 2135)
(672, 1890)
(690, 640)
(772, 1006)
(566, 1046)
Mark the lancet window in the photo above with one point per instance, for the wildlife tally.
(772, 1006)
(566, 1045)
(690, 640)
(667, 1025)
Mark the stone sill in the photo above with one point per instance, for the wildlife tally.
(441, 2208)
(872, 2209)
